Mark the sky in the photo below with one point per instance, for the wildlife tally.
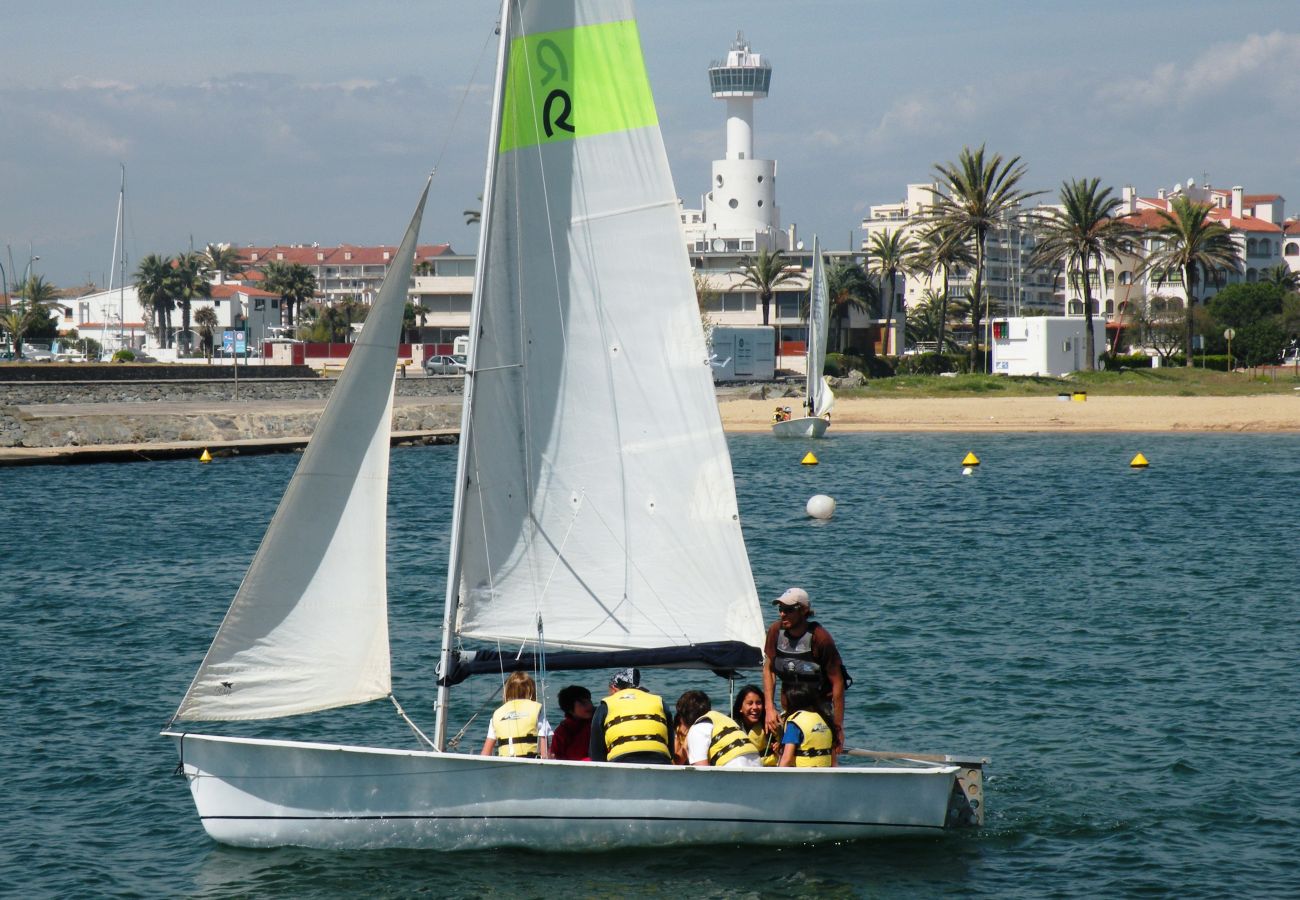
(293, 121)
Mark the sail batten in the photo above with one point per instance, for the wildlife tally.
(308, 628)
(600, 491)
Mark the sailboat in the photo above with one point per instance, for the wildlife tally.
(594, 526)
(821, 400)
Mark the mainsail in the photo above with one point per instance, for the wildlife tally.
(308, 628)
(596, 506)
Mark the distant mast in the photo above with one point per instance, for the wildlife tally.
(119, 256)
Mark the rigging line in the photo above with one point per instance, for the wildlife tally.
(491, 699)
(529, 486)
(469, 85)
(407, 719)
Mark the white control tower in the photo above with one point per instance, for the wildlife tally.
(742, 200)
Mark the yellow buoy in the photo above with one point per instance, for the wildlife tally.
(971, 460)
(206, 457)
(809, 459)
(1139, 462)
(1079, 396)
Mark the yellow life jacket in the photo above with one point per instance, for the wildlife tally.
(729, 742)
(515, 726)
(763, 744)
(635, 723)
(817, 739)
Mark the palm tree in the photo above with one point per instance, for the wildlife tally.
(154, 285)
(925, 319)
(764, 273)
(295, 284)
(848, 288)
(1190, 244)
(1084, 228)
(222, 259)
(1282, 276)
(974, 196)
(189, 281)
(474, 216)
(29, 313)
(205, 319)
(941, 250)
(888, 255)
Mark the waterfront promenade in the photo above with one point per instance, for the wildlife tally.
(88, 432)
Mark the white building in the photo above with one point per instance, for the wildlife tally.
(1011, 288)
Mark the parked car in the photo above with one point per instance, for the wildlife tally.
(444, 365)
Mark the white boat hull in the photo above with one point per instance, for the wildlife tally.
(805, 427)
(264, 793)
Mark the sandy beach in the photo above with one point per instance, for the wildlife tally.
(1265, 413)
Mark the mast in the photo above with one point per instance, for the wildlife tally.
(462, 453)
(813, 324)
(121, 275)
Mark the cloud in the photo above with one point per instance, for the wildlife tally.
(1252, 68)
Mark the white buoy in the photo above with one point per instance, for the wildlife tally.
(967, 471)
(820, 506)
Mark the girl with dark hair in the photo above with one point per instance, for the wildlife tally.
(711, 738)
(810, 735)
(750, 713)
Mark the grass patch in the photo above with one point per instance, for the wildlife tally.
(1168, 382)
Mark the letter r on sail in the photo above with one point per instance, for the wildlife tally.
(563, 85)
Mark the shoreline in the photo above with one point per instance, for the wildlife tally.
(93, 432)
(1263, 414)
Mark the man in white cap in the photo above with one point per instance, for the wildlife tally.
(801, 650)
(631, 724)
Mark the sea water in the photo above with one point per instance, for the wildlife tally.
(1121, 644)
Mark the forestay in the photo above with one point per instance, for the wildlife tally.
(597, 487)
(308, 628)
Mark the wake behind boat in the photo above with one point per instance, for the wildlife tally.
(820, 399)
(595, 522)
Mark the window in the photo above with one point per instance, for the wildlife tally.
(1252, 276)
(1293, 249)
(259, 304)
(1126, 277)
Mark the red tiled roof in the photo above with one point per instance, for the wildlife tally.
(1246, 223)
(222, 291)
(1252, 199)
(343, 254)
(1293, 226)
(1145, 218)
(1153, 203)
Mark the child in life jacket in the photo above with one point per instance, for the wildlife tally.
(810, 737)
(519, 727)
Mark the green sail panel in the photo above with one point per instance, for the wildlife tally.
(563, 85)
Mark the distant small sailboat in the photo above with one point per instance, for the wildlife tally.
(595, 522)
(820, 399)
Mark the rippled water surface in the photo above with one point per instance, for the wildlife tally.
(1121, 644)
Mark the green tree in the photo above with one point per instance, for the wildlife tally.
(974, 196)
(925, 319)
(848, 288)
(941, 250)
(154, 285)
(28, 311)
(1192, 247)
(189, 282)
(765, 273)
(222, 259)
(889, 254)
(295, 284)
(1254, 312)
(1084, 228)
(1282, 276)
(205, 320)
